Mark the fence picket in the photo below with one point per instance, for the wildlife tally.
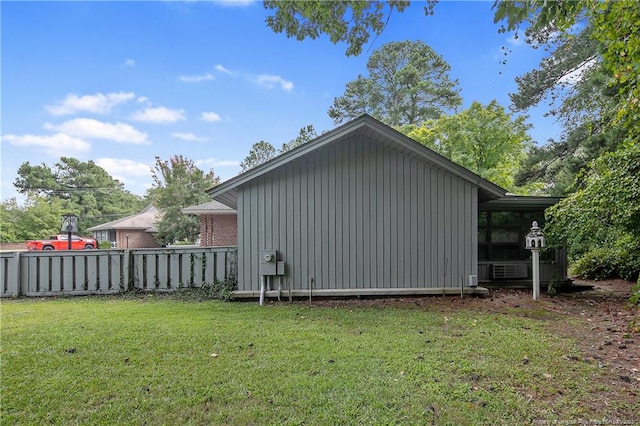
(56, 274)
(103, 272)
(174, 270)
(115, 269)
(198, 268)
(220, 266)
(92, 274)
(150, 273)
(108, 271)
(10, 274)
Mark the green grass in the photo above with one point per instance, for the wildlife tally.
(149, 361)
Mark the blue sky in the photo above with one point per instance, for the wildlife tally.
(120, 83)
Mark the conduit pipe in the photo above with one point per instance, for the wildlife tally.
(263, 285)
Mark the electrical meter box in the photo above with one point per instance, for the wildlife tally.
(268, 263)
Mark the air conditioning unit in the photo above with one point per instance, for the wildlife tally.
(501, 271)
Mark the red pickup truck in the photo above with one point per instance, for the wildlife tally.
(61, 242)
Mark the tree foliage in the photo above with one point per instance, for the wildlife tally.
(408, 83)
(605, 210)
(306, 134)
(360, 97)
(349, 21)
(260, 152)
(38, 218)
(484, 139)
(84, 188)
(574, 82)
(602, 215)
(178, 183)
(619, 32)
(613, 23)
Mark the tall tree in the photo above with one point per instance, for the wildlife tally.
(613, 24)
(306, 134)
(573, 82)
(85, 189)
(360, 97)
(10, 214)
(178, 183)
(484, 139)
(408, 83)
(260, 152)
(39, 217)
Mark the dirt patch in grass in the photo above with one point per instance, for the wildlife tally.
(599, 321)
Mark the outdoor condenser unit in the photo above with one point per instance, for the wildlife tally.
(508, 270)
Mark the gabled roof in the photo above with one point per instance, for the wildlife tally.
(212, 207)
(146, 220)
(227, 192)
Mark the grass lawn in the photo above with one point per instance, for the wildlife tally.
(162, 360)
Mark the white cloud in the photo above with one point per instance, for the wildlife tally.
(129, 63)
(159, 115)
(188, 137)
(121, 168)
(94, 129)
(578, 73)
(210, 116)
(234, 3)
(214, 162)
(97, 104)
(224, 70)
(56, 145)
(271, 81)
(196, 78)
(142, 100)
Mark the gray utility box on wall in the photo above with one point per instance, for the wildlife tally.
(269, 265)
(268, 262)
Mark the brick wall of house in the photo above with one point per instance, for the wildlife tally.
(137, 239)
(218, 230)
(13, 246)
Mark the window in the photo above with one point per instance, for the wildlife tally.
(501, 234)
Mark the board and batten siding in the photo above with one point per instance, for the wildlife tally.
(359, 214)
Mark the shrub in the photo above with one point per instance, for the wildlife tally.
(217, 290)
(628, 251)
(596, 264)
(621, 259)
(184, 242)
(634, 303)
(104, 245)
(634, 300)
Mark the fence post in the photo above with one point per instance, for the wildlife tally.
(126, 270)
(18, 276)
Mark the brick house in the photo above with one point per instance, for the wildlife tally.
(218, 224)
(135, 231)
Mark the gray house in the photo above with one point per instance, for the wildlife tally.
(360, 210)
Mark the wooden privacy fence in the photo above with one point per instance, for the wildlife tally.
(113, 271)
